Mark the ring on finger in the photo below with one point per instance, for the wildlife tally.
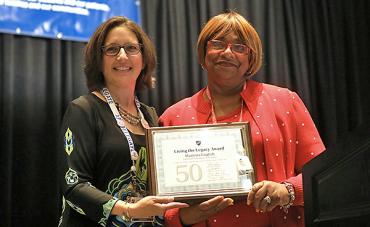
(267, 199)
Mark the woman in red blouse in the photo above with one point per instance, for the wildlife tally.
(284, 136)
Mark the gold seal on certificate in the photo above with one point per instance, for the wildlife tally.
(200, 161)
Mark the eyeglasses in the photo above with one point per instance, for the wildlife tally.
(114, 49)
(221, 46)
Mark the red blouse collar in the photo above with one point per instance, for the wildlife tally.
(251, 92)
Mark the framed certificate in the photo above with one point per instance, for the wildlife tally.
(200, 161)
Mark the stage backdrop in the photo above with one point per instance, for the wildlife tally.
(61, 19)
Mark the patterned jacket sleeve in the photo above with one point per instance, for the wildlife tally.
(77, 144)
(310, 144)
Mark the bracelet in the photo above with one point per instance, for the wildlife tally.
(127, 217)
(290, 189)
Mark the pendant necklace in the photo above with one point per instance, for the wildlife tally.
(213, 113)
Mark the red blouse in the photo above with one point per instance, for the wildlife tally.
(284, 139)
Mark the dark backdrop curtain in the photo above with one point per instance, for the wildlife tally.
(316, 48)
(338, 56)
(38, 78)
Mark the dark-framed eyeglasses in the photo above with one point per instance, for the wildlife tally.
(114, 48)
(219, 45)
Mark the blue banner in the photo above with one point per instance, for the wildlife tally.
(62, 19)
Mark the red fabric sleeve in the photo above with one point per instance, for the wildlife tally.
(172, 218)
(298, 189)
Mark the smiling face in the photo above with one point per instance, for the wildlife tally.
(224, 67)
(122, 69)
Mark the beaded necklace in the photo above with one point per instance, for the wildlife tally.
(121, 124)
(129, 117)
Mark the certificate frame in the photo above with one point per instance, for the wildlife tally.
(193, 162)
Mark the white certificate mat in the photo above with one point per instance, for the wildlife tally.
(200, 161)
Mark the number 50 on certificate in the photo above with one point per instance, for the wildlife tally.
(201, 161)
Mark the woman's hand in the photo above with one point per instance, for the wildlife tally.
(200, 212)
(266, 195)
(152, 206)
